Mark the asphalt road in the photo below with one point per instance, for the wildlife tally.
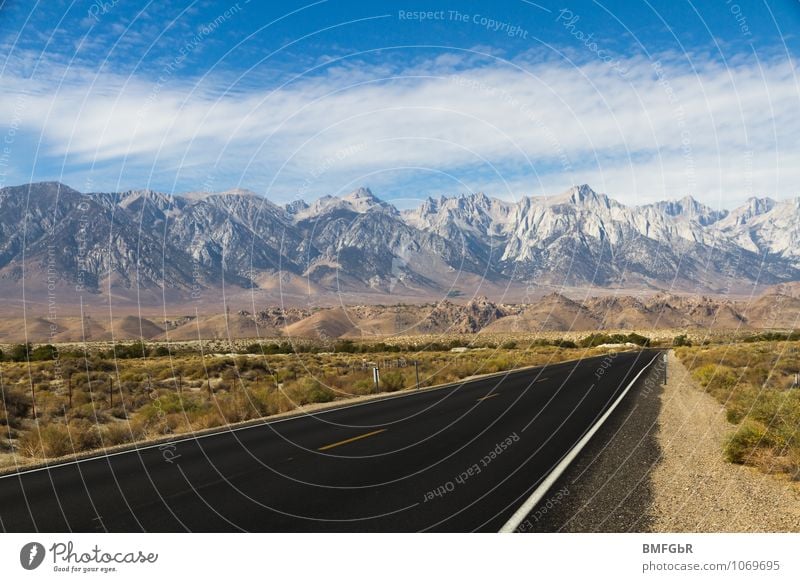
(460, 458)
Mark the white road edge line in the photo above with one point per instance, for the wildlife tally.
(535, 497)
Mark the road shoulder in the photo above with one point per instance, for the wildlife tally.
(694, 488)
(607, 488)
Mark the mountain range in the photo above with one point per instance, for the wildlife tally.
(138, 242)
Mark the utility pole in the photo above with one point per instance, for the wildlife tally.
(416, 372)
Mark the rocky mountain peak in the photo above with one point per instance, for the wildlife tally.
(581, 196)
(359, 201)
(687, 208)
(751, 209)
(361, 193)
(39, 189)
(295, 206)
(363, 200)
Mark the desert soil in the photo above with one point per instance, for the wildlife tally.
(657, 465)
(695, 489)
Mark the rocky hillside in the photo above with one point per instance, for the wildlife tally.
(777, 308)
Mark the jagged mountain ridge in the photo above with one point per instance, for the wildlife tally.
(147, 239)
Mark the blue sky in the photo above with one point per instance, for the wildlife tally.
(642, 100)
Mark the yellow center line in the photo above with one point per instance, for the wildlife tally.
(351, 439)
(489, 396)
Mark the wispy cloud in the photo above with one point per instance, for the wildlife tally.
(688, 125)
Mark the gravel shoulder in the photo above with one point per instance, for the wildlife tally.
(694, 488)
(657, 465)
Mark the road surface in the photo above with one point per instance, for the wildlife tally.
(461, 458)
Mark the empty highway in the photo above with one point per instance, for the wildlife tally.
(458, 458)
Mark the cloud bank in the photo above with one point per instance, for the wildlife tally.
(416, 125)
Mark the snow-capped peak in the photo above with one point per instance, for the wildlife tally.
(360, 201)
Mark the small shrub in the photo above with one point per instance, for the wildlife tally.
(208, 420)
(681, 341)
(137, 349)
(20, 352)
(51, 440)
(363, 386)
(735, 415)
(393, 381)
(44, 353)
(117, 433)
(638, 339)
(17, 402)
(345, 346)
(566, 344)
(500, 364)
(310, 390)
(83, 434)
(236, 407)
(715, 378)
(748, 437)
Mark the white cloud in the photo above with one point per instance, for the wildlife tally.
(719, 133)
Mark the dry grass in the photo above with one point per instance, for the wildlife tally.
(755, 383)
(87, 401)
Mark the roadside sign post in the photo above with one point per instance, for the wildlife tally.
(416, 372)
(376, 377)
